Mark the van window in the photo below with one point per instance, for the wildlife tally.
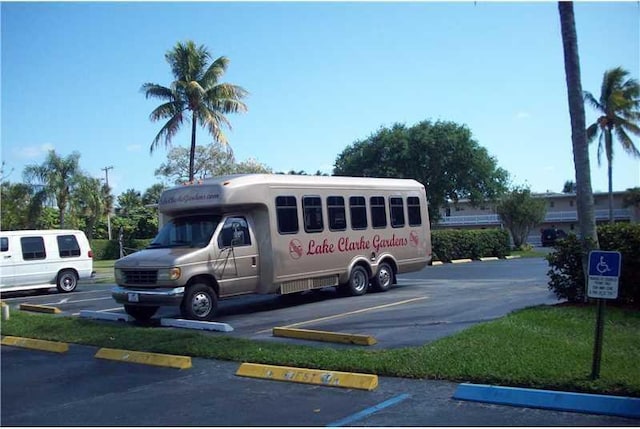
(358, 211)
(32, 248)
(68, 246)
(397, 212)
(413, 206)
(235, 233)
(287, 214)
(337, 215)
(312, 209)
(378, 212)
(4, 244)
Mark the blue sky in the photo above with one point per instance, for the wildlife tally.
(320, 75)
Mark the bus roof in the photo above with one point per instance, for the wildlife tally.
(231, 190)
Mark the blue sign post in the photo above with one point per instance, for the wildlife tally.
(604, 274)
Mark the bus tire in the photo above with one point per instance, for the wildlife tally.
(383, 280)
(139, 312)
(200, 302)
(358, 282)
(67, 281)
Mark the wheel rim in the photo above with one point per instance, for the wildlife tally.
(67, 282)
(359, 281)
(384, 276)
(201, 304)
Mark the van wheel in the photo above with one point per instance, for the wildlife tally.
(358, 282)
(199, 303)
(67, 281)
(139, 312)
(384, 278)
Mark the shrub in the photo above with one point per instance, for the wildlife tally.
(566, 275)
(110, 249)
(452, 244)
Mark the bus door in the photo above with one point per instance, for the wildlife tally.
(237, 265)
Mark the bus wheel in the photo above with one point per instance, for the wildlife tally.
(358, 281)
(67, 281)
(199, 303)
(139, 312)
(384, 278)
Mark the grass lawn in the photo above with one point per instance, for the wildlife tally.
(543, 347)
(104, 271)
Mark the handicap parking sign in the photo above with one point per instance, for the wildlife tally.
(604, 273)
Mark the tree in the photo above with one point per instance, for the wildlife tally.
(137, 218)
(251, 166)
(619, 108)
(23, 207)
(152, 195)
(569, 187)
(58, 176)
(520, 212)
(208, 161)
(92, 201)
(442, 156)
(195, 92)
(584, 195)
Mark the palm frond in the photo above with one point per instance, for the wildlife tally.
(153, 90)
(168, 131)
(592, 131)
(589, 98)
(627, 143)
(166, 110)
(215, 72)
(600, 148)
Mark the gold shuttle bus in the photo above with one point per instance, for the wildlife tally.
(275, 234)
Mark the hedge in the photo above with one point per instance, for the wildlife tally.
(566, 274)
(450, 244)
(110, 249)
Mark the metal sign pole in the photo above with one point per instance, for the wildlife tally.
(597, 346)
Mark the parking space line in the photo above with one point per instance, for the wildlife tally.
(368, 411)
(349, 313)
(67, 301)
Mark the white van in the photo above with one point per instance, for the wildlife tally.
(41, 259)
(283, 234)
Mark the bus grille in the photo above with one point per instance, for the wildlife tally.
(141, 277)
(307, 284)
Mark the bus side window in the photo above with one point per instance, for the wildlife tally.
(358, 210)
(413, 207)
(312, 209)
(287, 214)
(378, 212)
(337, 215)
(396, 207)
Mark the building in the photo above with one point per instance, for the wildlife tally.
(561, 214)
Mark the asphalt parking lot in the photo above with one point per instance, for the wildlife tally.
(75, 388)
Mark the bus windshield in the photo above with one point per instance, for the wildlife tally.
(187, 231)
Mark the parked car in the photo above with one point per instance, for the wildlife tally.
(551, 235)
(42, 259)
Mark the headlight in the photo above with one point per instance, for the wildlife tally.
(117, 272)
(170, 274)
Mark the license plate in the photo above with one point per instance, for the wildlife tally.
(133, 297)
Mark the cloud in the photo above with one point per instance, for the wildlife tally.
(31, 152)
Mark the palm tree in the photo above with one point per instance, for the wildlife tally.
(58, 176)
(196, 89)
(92, 200)
(584, 194)
(619, 108)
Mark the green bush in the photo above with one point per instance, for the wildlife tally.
(110, 249)
(567, 277)
(450, 244)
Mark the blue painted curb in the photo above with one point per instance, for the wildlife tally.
(620, 406)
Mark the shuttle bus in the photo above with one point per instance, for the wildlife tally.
(275, 234)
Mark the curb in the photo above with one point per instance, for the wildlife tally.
(30, 343)
(490, 258)
(156, 359)
(330, 337)
(461, 261)
(349, 380)
(194, 324)
(40, 308)
(547, 399)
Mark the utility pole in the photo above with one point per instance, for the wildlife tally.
(106, 172)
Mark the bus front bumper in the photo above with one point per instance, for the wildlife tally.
(138, 296)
